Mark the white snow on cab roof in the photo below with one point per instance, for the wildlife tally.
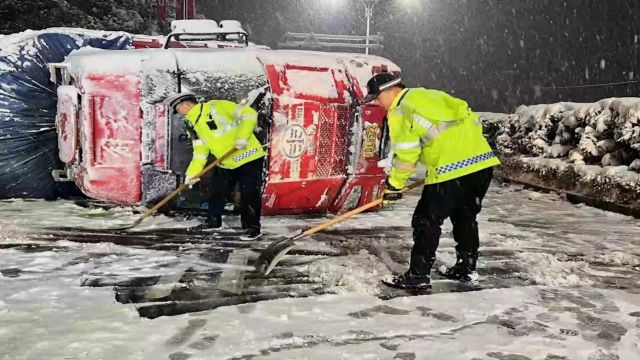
(238, 60)
(115, 62)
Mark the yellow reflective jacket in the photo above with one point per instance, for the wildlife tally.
(438, 130)
(218, 124)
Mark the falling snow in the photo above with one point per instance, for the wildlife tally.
(558, 280)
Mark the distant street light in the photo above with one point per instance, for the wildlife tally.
(368, 12)
(409, 3)
(368, 9)
(327, 41)
(335, 4)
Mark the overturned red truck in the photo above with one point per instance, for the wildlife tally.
(119, 143)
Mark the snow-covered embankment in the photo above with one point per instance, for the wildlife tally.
(589, 150)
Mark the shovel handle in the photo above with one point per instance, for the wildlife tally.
(182, 187)
(356, 211)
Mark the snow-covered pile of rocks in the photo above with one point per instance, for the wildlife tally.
(606, 133)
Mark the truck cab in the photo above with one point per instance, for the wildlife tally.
(119, 143)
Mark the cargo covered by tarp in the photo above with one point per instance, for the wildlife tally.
(28, 141)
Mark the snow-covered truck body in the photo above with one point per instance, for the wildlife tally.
(119, 142)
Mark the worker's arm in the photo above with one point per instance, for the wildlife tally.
(200, 149)
(406, 147)
(199, 159)
(247, 120)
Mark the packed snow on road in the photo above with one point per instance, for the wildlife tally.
(557, 280)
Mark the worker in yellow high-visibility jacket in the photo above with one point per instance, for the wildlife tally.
(442, 133)
(216, 127)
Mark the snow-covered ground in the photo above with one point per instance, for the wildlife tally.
(560, 281)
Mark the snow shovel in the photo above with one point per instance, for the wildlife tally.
(272, 254)
(180, 189)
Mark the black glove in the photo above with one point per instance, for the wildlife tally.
(390, 194)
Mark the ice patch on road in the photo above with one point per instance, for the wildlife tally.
(40, 214)
(547, 269)
(100, 260)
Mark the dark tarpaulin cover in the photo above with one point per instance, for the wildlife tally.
(28, 140)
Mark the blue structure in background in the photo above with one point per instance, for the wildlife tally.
(28, 139)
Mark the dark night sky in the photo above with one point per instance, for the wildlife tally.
(497, 54)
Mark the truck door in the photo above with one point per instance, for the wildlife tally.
(310, 137)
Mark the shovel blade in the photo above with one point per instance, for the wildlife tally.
(272, 254)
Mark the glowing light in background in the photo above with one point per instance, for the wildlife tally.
(334, 4)
(410, 4)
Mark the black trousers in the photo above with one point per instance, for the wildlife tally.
(461, 200)
(249, 176)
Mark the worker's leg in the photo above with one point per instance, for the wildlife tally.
(433, 208)
(465, 226)
(250, 180)
(217, 197)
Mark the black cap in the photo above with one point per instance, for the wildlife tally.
(379, 83)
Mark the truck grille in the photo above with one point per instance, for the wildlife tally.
(333, 141)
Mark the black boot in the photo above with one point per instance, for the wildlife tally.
(213, 223)
(408, 281)
(464, 268)
(251, 234)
